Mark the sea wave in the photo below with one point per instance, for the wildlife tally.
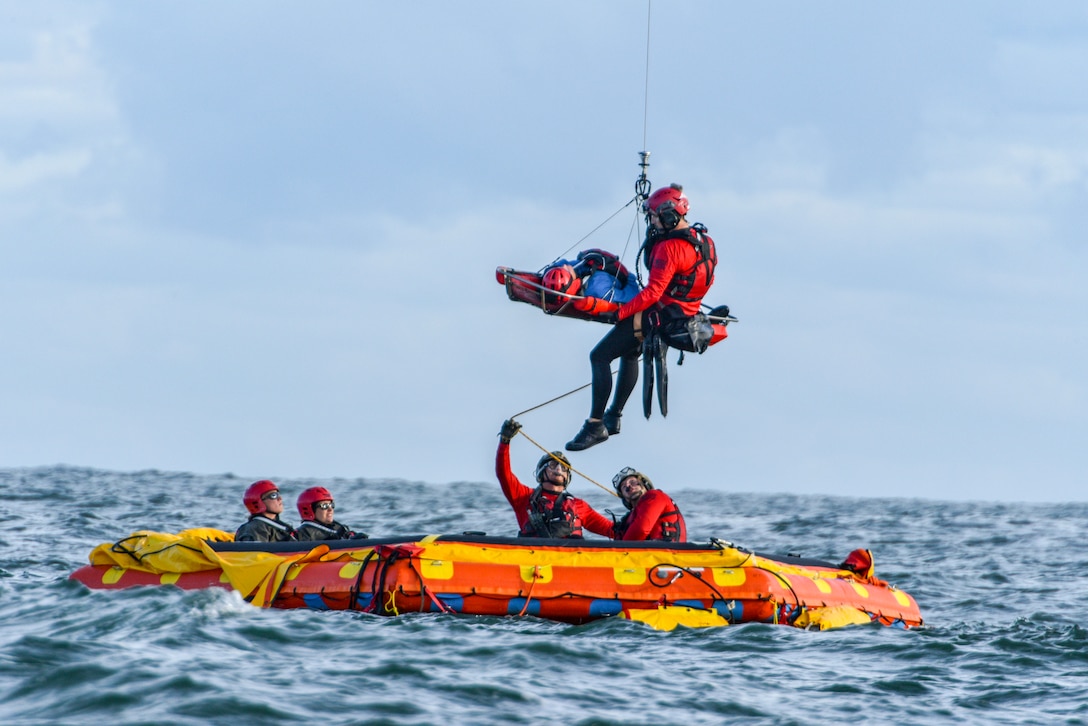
(999, 584)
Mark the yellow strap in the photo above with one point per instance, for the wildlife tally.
(391, 605)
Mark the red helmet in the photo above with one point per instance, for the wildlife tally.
(253, 496)
(561, 278)
(668, 203)
(309, 498)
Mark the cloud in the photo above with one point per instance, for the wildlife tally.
(57, 82)
(38, 170)
(248, 241)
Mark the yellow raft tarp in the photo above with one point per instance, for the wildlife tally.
(669, 617)
(256, 575)
(161, 553)
(832, 617)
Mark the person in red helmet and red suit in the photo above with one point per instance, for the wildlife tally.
(316, 507)
(265, 505)
(548, 510)
(652, 514)
(681, 259)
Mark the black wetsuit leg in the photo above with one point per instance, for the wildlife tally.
(620, 342)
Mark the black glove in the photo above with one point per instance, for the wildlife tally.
(359, 535)
(611, 318)
(510, 429)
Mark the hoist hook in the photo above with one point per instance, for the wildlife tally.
(642, 185)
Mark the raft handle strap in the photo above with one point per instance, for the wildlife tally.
(357, 587)
(529, 595)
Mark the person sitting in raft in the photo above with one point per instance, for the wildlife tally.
(652, 515)
(681, 259)
(265, 505)
(316, 507)
(548, 510)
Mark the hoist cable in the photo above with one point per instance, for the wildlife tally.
(646, 90)
(642, 184)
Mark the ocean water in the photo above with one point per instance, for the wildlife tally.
(1002, 588)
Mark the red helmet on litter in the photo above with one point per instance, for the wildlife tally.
(253, 497)
(668, 203)
(562, 279)
(309, 498)
(860, 562)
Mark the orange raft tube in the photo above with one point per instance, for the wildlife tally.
(572, 581)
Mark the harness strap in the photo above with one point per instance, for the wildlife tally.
(555, 520)
(318, 526)
(707, 260)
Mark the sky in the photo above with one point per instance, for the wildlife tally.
(260, 237)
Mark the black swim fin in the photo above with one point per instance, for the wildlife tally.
(662, 377)
(648, 376)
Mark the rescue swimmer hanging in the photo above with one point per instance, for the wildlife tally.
(668, 310)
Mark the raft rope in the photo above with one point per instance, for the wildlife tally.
(357, 587)
(783, 604)
(429, 592)
(377, 587)
(529, 595)
(714, 541)
(120, 548)
(685, 570)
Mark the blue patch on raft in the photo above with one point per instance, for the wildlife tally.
(517, 603)
(602, 608)
(455, 603)
(314, 601)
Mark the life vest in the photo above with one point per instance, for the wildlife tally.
(556, 520)
(264, 529)
(311, 530)
(669, 527)
(692, 284)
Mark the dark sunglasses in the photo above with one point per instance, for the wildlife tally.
(324, 505)
(272, 495)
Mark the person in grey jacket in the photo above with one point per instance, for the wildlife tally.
(316, 507)
(265, 505)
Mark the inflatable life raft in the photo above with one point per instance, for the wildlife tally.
(573, 581)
